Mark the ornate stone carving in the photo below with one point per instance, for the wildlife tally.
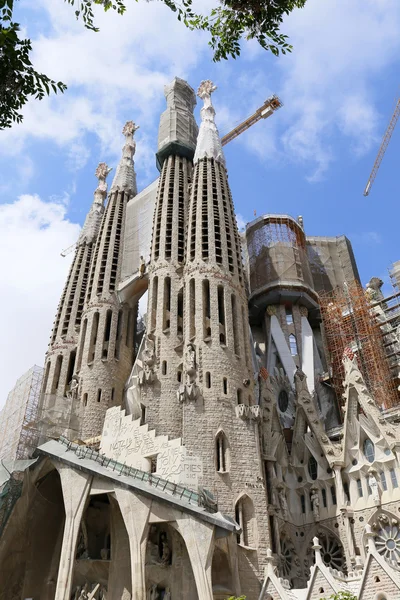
(72, 393)
(146, 374)
(129, 128)
(282, 500)
(189, 391)
(208, 141)
(303, 311)
(373, 486)
(125, 177)
(241, 411)
(245, 412)
(166, 551)
(315, 503)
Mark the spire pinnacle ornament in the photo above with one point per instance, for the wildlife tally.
(101, 191)
(91, 226)
(125, 176)
(208, 141)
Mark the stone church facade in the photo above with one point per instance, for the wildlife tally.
(209, 455)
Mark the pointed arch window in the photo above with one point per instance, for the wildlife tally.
(289, 316)
(245, 517)
(293, 345)
(313, 468)
(369, 450)
(393, 477)
(222, 454)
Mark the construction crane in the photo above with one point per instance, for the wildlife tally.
(382, 149)
(271, 104)
(266, 110)
(69, 249)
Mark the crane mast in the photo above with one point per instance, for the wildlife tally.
(382, 149)
(266, 110)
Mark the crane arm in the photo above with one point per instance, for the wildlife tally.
(266, 110)
(382, 149)
(69, 249)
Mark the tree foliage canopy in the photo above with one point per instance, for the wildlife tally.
(342, 596)
(227, 24)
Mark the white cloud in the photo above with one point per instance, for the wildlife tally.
(113, 75)
(327, 84)
(33, 273)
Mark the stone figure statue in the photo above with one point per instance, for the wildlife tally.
(142, 266)
(282, 501)
(165, 550)
(146, 374)
(373, 289)
(373, 486)
(153, 592)
(152, 553)
(82, 547)
(315, 503)
(297, 565)
(189, 391)
(190, 359)
(73, 388)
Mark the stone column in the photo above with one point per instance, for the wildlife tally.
(135, 512)
(351, 552)
(75, 488)
(199, 540)
(233, 559)
(339, 486)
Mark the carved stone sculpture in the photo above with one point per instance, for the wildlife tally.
(167, 594)
(142, 266)
(282, 501)
(373, 486)
(315, 503)
(73, 388)
(153, 595)
(189, 391)
(166, 551)
(146, 375)
(300, 382)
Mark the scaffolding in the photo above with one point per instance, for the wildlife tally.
(277, 253)
(18, 432)
(352, 328)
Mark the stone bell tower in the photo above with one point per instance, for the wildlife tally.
(220, 411)
(163, 351)
(106, 341)
(60, 362)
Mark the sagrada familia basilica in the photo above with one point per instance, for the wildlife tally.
(244, 439)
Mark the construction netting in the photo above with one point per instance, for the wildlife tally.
(277, 254)
(138, 230)
(352, 329)
(332, 262)
(18, 418)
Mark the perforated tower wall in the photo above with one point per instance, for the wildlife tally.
(165, 303)
(106, 341)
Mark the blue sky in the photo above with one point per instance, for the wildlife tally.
(313, 157)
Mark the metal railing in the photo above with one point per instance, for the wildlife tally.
(200, 499)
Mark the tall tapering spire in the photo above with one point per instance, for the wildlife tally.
(208, 142)
(91, 226)
(125, 176)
